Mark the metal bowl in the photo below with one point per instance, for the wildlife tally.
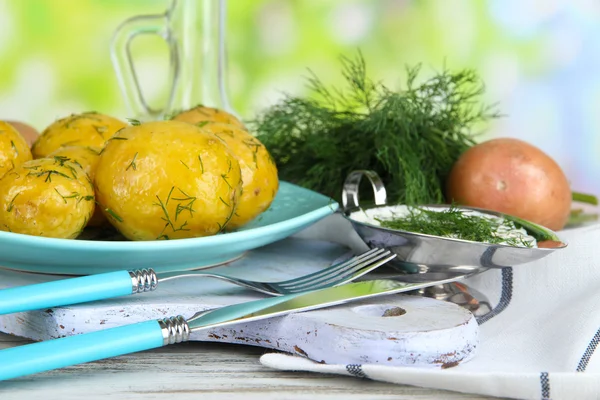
(436, 256)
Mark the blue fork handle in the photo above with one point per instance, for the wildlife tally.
(65, 291)
(53, 354)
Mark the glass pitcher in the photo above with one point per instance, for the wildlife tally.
(194, 31)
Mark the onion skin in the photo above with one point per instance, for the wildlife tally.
(513, 177)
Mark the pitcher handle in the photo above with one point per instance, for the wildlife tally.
(351, 186)
(122, 59)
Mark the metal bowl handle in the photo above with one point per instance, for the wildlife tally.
(350, 189)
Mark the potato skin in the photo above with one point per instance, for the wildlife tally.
(87, 157)
(200, 114)
(86, 129)
(14, 149)
(512, 176)
(29, 133)
(259, 172)
(167, 180)
(50, 197)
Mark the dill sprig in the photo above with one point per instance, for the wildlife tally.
(455, 223)
(411, 137)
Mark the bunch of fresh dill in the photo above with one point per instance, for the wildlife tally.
(456, 223)
(411, 137)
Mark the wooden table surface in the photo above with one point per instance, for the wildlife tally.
(196, 370)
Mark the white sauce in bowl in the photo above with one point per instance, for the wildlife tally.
(371, 217)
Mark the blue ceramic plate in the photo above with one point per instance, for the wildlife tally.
(293, 209)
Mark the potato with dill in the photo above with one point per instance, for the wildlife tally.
(87, 157)
(259, 173)
(51, 197)
(14, 150)
(85, 129)
(202, 113)
(167, 180)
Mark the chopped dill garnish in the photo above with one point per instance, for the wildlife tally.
(169, 195)
(224, 225)
(100, 129)
(49, 174)
(182, 206)
(224, 202)
(61, 160)
(201, 164)
(132, 164)
(134, 122)
(410, 137)
(113, 214)
(92, 150)
(11, 205)
(224, 176)
(74, 195)
(456, 223)
(61, 195)
(171, 115)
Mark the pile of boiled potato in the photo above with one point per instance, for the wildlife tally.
(197, 174)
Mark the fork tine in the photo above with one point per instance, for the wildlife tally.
(367, 267)
(332, 269)
(336, 267)
(335, 273)
(330, 280)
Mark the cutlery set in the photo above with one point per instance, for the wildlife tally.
(71, 350)
(324, 288)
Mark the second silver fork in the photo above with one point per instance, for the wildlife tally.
(122, 283)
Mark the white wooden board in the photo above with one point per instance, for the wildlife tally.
(430, 333)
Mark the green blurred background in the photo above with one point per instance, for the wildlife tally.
(538, 58)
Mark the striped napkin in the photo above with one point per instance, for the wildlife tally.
(538, 341)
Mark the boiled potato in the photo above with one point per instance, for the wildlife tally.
(87, 158)
(51, 197)
(14, 150)
(200, 114)
(167, 180)
(259, 173)
(86, 129)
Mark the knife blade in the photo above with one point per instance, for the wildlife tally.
(58, 353)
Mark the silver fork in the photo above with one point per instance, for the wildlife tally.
(121, 283)
(335, 275)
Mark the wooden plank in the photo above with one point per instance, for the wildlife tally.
(190, 370)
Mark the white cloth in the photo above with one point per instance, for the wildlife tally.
(538, 343)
